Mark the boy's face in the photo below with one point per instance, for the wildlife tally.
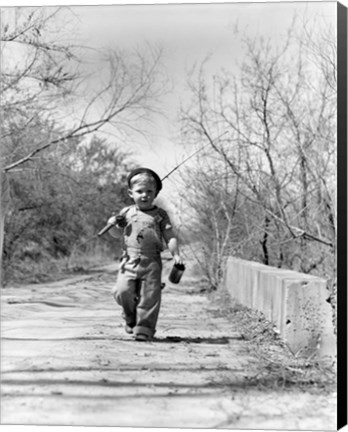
(143, 194)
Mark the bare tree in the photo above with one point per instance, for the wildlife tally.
(280, 112)
(78, 90)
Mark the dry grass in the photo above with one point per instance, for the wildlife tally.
(276, 367)
(29, 271)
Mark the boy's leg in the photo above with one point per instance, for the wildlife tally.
(125, 294)
(150, 299)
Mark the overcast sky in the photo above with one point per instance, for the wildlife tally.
(188, 32)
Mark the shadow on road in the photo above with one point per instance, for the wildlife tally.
(206, 340)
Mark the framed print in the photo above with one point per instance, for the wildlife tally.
(173, 215)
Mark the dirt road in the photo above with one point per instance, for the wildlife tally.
(66, 360)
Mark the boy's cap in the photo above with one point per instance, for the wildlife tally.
(146, 171)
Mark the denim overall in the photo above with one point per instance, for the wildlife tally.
(138, 288)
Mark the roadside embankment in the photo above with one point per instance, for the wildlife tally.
(296, 303)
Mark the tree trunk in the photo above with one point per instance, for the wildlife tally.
(4, 203)
(264, 241)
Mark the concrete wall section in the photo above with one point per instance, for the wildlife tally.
(296, 303)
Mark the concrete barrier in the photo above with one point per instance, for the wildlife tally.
(296, 303)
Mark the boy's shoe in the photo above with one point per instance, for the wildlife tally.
(128, 329)
(142, 337)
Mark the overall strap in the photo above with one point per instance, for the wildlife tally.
(124, 212)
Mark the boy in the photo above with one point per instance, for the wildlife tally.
(144, 227)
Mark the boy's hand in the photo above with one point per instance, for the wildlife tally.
(178, 259)
(119, 221)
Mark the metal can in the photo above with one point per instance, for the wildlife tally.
(176, 273)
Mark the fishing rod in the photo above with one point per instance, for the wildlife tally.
(120, 218)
